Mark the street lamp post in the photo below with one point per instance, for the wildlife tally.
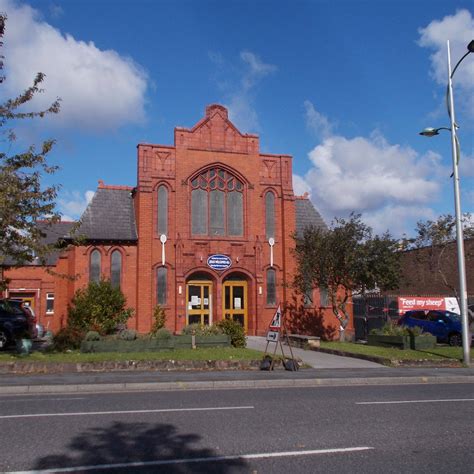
(430, 132)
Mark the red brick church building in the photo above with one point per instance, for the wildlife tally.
(206, 233)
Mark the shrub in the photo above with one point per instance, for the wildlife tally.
(68, 338)
(163, 334)
(234, 330)
(128, 335)
(92, 336)
(159, 319)
(390, 329)
(99, 307)
(201, 330)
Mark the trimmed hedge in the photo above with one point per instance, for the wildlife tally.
(154, 344)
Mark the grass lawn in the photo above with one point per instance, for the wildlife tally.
(217, 353)
(440, 353)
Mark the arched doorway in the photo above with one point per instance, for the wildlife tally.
(235, 299)
(199, 292)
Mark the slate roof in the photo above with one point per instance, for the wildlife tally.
(109, 216)
(53, 233)
(307, 215)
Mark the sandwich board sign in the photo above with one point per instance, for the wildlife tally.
(275, 334)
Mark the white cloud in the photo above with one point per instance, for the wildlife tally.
(399, 220)
(72, 204)
(458, 29)
(316, 122)
(256, 70)
(240, 95)
(100, 89)
(300, 186)
(392, 186)
(466, 166)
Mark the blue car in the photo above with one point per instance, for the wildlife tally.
(445, 325)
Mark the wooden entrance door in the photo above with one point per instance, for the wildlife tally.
(234, 300)
(199, 302)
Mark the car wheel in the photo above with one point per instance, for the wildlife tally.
(3, 340)
(455, 339)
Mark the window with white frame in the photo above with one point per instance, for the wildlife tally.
(49, 303)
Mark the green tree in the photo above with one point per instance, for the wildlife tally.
(98, 307)
(24, 200)
(347, 260)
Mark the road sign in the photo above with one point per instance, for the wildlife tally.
(272, 336)
(275, 325)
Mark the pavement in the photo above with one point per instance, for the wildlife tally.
(326, 370)
(314, 359)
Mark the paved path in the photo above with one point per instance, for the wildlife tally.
(318, 360)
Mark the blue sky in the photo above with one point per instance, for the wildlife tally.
(342, 86)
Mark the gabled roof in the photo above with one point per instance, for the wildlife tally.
(53, 233)
(306, 216)
(110, 215)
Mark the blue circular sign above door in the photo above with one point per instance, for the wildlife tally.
(219, 262)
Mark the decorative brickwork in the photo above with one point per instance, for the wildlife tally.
(216, 180)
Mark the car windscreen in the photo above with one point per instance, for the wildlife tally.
(10, 308)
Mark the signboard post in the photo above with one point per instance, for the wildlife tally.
(276, 332)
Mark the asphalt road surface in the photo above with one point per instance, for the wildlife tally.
(356, 429)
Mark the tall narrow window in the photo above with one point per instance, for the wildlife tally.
(217, 204)
(235, 215)
(271, 287)
(116, 268)
(270, 215)
(199, 212)
(323, 296)
(49, 303)
(217, 223)
(94, 266)
(308, 298)
(161, 285)
(162, 210)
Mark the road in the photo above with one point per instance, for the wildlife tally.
(385, 428)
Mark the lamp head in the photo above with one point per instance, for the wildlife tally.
(430, 132)
(470, 46)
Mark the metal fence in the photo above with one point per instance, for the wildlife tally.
(373, 311)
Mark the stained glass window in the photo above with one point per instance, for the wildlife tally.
(94, 266)
(162, 210)
(271, 287)
(161, 285)
(217, 204)
(270, 215)
(116, 268)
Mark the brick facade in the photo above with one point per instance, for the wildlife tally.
(212, 144)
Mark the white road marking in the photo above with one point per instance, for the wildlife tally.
(40, 399)
(165, 462)
(395, 402)
(124, 412)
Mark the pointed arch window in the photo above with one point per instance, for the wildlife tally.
(116, 268)
(162, 218)
(271, 287)
(95, 266)
(161, 285)
(217, 204)
(269, 215)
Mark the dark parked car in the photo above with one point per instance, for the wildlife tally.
(15, 321)
(445, 325)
